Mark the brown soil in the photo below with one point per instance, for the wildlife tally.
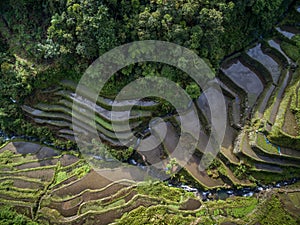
(192, 166)
(91, 181)
(49, 162)
(233, 178)
(265, 101)
(255, 154)
(122, 193)
(43, 175)
(20, 183)
(68, 208)
(17, 198)
(25, 210)
(190, 204)
(67, 160)
(201, 176)
(47, 152)
(148, 149)
(65, 182)
(290, 152)
(290, 124)
(228, 153)
(268, 168)
(110, 216)
(22, 147)
(289, 205)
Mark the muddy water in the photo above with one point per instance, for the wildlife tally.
(274, 68)
(230, 135)
(245, 78)
(236, 104)
(152, 150)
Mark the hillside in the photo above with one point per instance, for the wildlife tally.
(70, 157)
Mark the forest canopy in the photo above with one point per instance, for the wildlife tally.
(45, 41)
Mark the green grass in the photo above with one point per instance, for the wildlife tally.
(277, 135)
(261, 142)
(295, 198)
(99, 206)
(244, 210)
(61, 176)
(20, 194)
(290, 50)
(155, 215)
(274, 214)
(268, 177)
(79, 169)
(9, 216)
(158, 189)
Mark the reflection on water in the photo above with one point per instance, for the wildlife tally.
(257, 54)
(276, 45)
(285, 33)
(245, 78)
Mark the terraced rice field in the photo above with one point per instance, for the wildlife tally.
(91, 197)
(261, 87)
(255, 84)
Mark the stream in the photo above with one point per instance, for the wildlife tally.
(223, 194)
(205, 195)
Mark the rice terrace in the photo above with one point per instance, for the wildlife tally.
(70, 156)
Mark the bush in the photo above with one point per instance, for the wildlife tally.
(290, 50)
(8, 216)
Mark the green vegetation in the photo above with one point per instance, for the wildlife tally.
(58, 40)
(262, 143)
(273, 214)
(154, 215)
(107, 152)
(156, 189)
(8, 216)
(295, 198)
(79, 169)
(46, 41)
(238, 207)
(268, 177)
(291, 50)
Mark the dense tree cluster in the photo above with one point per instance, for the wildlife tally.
(82, 30)
(43, 41)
